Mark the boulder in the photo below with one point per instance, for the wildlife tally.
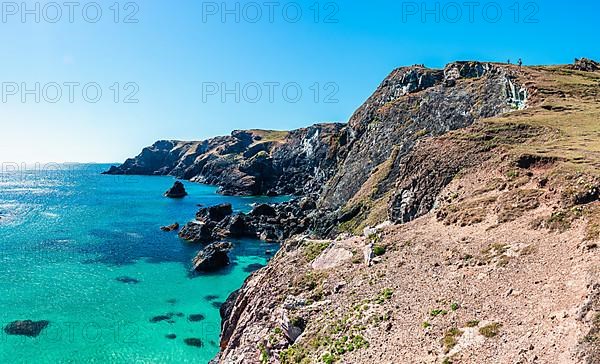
(177, 191)
(263, 210)
(213, 257)
(197, 232)
(586, 65)
(215, 213)
(26, 328)
(169, 228)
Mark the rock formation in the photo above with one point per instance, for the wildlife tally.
(169, 228)
(213, 257)
(177, 191)
(455, 218)
(26, 328)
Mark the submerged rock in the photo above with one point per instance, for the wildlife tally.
(127, 280)
(213, 257)
(194, 342)
(196, 317)
(177, 191)
(170, 228)
(26, 328)
(171, 336)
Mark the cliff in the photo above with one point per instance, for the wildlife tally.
(249, 162)
(455, 220)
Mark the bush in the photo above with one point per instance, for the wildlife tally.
(379, 250)
(490, 330)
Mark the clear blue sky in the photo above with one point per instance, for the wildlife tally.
(178, 49)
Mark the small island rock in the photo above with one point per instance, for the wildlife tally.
(177, 191)
(213, 257)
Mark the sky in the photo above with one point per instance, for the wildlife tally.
(98, 81)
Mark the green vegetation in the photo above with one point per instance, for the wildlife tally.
(425, 324)
(472, 323)
(385, 295)
(451, 339)
(454, 306)
(264, 355)
(379, 250)
(329, 358)
(438, 312)
(295, 354)
(313, 249)
(490, 330)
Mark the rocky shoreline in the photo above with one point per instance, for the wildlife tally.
(411, 154)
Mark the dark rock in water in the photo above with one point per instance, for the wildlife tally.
(211, 297)
(177, 191)
(160, 318)
(26, 328)
(196, 317)
(172, 301)
(197, 232)
(167, 317)
(194, 342)
(217, 304)
(252, 267)
(263, 210)
(214, 213)
(128, 280)
(171, 336)
(236, 226)
(170, 228)
(213, 257)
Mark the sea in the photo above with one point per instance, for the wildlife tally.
(84, 252)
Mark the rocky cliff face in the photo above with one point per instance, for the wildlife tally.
(249, 162)
(455, 218)
(495, 255)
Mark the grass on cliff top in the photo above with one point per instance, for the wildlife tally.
(566, 104)
(270, 135)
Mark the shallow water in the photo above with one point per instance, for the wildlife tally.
(85, 252)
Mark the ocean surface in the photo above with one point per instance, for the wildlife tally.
(85, 252)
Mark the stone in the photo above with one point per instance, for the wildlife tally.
(193, 342)
(213, 257)
(170, 228)
(177, 191)
(127, 280)
(27, 328)
(263, 210)
(214, 213)
(196, 317)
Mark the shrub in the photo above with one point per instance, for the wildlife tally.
(490, 330)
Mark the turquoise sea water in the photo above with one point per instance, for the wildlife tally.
(67, 235)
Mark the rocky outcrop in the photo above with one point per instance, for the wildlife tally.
(169, 228)
(215, 256)
(586, 65)
(401, 112)
(26, 328)
(357, 247)
(249, 162)
(267, 222)
(177, 191)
